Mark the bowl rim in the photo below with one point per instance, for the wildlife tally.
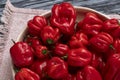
(48, 13)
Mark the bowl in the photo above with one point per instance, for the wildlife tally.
(80, 15)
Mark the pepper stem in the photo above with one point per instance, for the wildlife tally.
(44, 51)
(49, 41)
(64, 57)
(112, 47)
(13, 41)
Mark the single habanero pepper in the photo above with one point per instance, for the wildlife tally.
(50, 35)
(21, 54)
(101, 42)
(63, 17)
(112, 68)
(41, 51)
(26, 74)
(110, 25)
(33, 41)
(79, 57)
(78, 40)
(57, 68)
(39, 67)
(61, 49)
(88, 73)
(36, 24)
(90, 25)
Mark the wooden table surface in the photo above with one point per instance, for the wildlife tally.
(105, 6)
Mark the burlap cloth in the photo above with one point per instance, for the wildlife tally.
(14, 20)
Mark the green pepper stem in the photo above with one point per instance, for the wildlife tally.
(44, 51)
(49, 41)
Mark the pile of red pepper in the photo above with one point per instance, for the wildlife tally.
(59, 48)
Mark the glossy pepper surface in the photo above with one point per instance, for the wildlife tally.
(26, 74)
(50, 35)
(22, 54)
(36, 24)
(41, 51)
(88, 73)
(39, 67)
(57, 68)
(110, 25)
(79, 57)
(78, 40)
(101, 42)
(112, 68)
(64, 16)
(61, 49)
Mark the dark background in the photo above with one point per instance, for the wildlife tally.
(104, 6)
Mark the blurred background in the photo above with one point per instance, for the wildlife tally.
(104, 6)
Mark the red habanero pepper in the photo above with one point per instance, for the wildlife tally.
(26, 74)
(21, 54)
(50, 35)
(92, 18)
(101, 42)
(41, 51)
(112, 68)
(92, 30)
(61, 49)
(64, 16)
(78, 40)
(110, 25)
(79, 57)
(57, 68)
(36, 24)
(39, 67)
(33, 41)
(116, 46)
(88, 73)
(116, 33)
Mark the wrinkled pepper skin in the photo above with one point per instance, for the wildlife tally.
(78, 40)
(116, 33)
(92, 30)
(63, 17)
(50, 35)
(90, 19)
(41, 51)
(110, 25)
(112, 68)
(79, 57)
(36, 24)
(57, 68)
(21, 54)
(88, 73)
(26, 74)
(116, 46)
(33, 41)
(101, 42)
(39, 67)
(61, 49)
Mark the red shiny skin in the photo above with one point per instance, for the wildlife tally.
(21, 54)
(61, 49)
(88, 73)
(41, 51)
(110, 25)
(33, 41)
(26, 74)
(101, 42)
(36, 24)
(112, 68)
(50, 35)
(79, 57)
(63, 17)
(39, 67)
(78, 40)
(57, 68)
